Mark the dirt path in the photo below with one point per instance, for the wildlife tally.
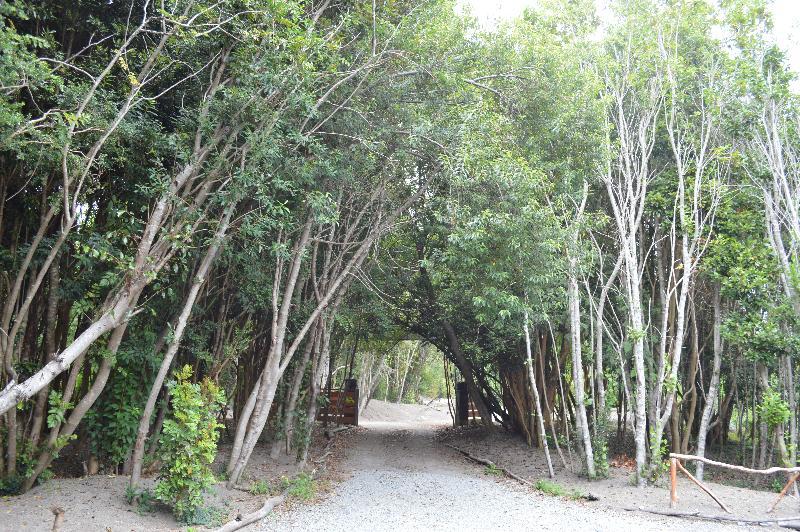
(401, 479)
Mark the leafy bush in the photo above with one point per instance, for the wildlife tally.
(112, 425)
(601, 457)
(189, 444)
(659, 462)
(551, 488)
(113, 421)
(260, 487)
(301, 487)
(144, 498)
(600, 445)
(773, 410)
(26, 462)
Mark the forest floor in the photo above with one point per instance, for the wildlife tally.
(401, 476)
(97, 502)
(397, 473)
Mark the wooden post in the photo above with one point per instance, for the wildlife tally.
(462, 404)
(673, 480)
(791, 481)
(357, 398)
(701, 486)
(59, 518)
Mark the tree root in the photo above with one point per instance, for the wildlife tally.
(786, 522)
(509, 474)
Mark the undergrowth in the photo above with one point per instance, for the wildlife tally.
(551, 488)
(260, 487)
(302, 487)
(492, 469)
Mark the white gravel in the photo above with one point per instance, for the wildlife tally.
(400, 479)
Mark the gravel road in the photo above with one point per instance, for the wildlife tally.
(401, 479)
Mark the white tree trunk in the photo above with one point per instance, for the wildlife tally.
(713, 387)
(536, 401)
(577, 372)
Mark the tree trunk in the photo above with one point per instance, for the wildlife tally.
(466, 371)
(536, 401)
(50, 350)
(692, 384)
(581, 420)
(713, 387)
(294, 393)
(180, 326)
(598, 345)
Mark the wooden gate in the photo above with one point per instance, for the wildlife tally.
(342, 407)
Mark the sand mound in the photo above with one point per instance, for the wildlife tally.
(434, 414)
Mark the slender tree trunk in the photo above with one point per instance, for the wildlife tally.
(536, 401)
(598, 342)
(466, 370)
(50, 350)
(640, 412)
(792, 411)
(581, 420)
(677, 350)
(401, 381)
(180, 327)
(692, 384)
(374, 380)
(321, 365)
(713, 387)
(294, 393)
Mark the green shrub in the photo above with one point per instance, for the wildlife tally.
(301, 487)
(260, 487)
(492, 469)
(144, 498)
(188, 444)
(773, 409)
(551, 488)
(113, 421)
(659, 461)
(26, 462)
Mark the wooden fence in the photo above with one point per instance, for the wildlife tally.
(342, 407)
(675, 465)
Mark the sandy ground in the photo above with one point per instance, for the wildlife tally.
(396, 473)
(97, 503)
(617, 491)
(402, 478)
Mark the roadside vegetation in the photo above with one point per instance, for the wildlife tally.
(212, 212)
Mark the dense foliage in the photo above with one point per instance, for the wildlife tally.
(579, 215)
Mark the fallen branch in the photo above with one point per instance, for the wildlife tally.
(725, 518)
(484, 461)
(242, 521)
(322, 458)
(330, 432)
